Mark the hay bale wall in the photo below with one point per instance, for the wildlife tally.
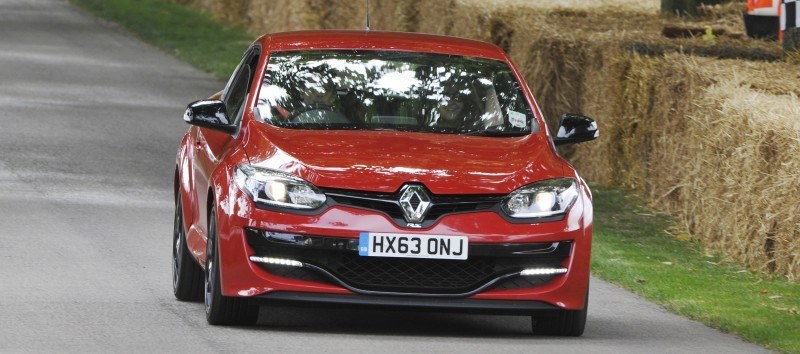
(701, 140)
(714, 142)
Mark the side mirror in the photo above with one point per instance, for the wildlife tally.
(209, 114)
(575, 128)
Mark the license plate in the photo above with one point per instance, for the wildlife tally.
(372, 244)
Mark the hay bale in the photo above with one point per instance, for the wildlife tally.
(283, 15)
(649, 6)
(791, 40)
(701, 142)
(745, 177)
(686, 7)
(678, 7)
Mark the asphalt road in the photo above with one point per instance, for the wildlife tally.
(89, 125)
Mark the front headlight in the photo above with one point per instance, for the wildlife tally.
(277, 188)
(541, 199)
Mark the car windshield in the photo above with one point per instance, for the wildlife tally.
(387, 90)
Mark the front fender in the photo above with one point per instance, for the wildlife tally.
(227, 207)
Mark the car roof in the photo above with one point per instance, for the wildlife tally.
(380, 40)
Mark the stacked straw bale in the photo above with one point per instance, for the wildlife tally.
(714, 142)
(702, 139)
(740, 184)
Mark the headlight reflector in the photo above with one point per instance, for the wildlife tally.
(277, 188)
(542, 199)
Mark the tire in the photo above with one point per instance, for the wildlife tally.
(223, 310)
(565, 323)
(187, 276)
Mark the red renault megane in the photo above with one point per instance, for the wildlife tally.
(380, 169)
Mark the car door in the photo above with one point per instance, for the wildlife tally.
(210, 145)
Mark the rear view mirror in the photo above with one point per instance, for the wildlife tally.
(209, 114)
(575, 128)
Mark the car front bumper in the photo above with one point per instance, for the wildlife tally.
(244, 278)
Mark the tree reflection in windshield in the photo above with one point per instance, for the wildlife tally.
(383, 90)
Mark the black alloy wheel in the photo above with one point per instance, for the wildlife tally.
(223, 310)
(187, 276)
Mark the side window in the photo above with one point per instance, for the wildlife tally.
(238, 87)
(237, 93)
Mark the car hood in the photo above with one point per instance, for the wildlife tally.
(382, 161)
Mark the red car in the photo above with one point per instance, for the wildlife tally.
(381, 169)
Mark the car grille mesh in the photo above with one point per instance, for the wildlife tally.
(402, 274)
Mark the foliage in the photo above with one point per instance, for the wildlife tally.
(184, 32)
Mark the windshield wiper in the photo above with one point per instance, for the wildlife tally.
(495, 133)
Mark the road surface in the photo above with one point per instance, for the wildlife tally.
(89, 125)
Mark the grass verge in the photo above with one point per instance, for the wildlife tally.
(188, 34)
(632, 245)
(635, 248)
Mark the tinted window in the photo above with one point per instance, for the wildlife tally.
(237, 93)
(382, 90)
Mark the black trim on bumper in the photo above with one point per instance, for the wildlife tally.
(335, 260)
(343, 284)
(499, 307)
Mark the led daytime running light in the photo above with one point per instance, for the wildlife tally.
(276, 261)
(543, 271)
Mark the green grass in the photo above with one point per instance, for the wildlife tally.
(631, 247)
(188, 34)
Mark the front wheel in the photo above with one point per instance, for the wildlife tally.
(566, 323)
(223, 310)
(187, 276)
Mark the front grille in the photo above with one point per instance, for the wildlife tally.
(388, 203)
(343, 266)
(453, 205)
(413, 275)
(384, 203)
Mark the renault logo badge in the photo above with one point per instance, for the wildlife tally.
(415, 203)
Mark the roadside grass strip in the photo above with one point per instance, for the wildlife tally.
(188, 34)
(634, 247)
(645, 253)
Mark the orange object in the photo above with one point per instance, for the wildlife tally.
(756, 4)
(763, 7)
